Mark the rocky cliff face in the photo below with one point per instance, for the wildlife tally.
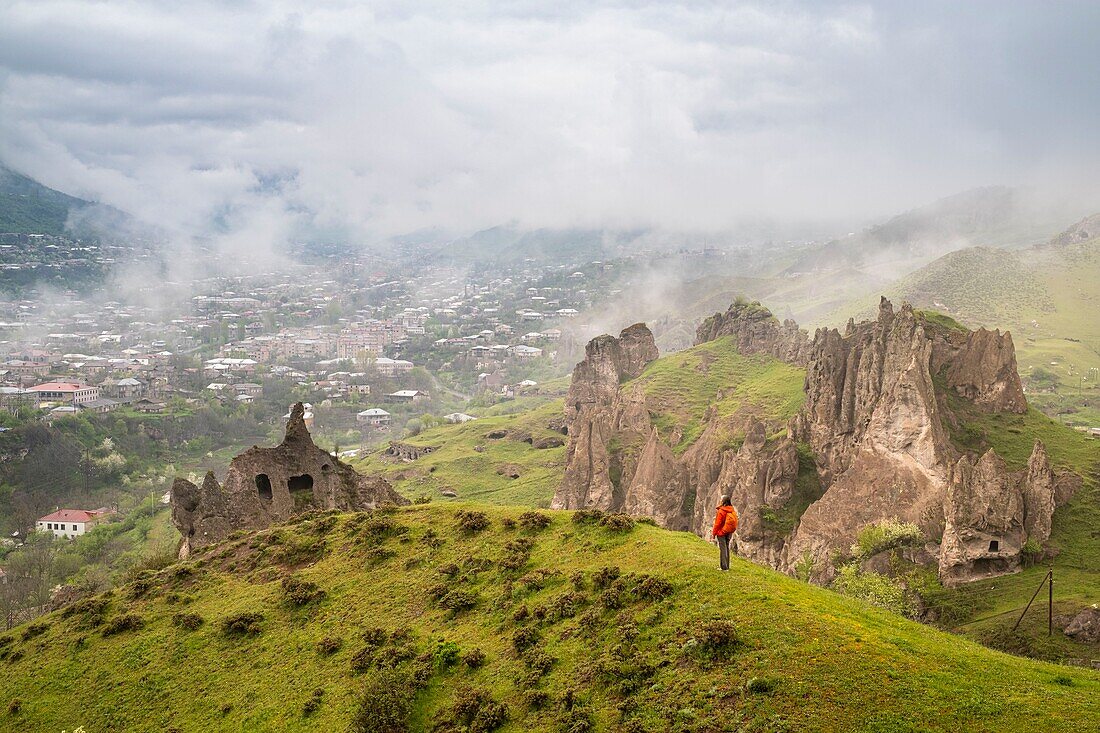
(268, 485)
(598, 412)
(873, 421)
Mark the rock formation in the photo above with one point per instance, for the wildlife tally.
(756, 331)
(875, 421)
(596, 410)
(991, 512)
(268, 485)
(984, 372)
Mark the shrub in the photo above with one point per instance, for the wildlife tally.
(577, 579)
(587, 516)
(123, 622)
(310, 706)
(473, 658)
(717, 636)
(761, 685)
(187, 621)
(477, 711)
(617, 522)
(885, 535)
(878, 590)
(247, 622)
(612, 597)
(385, 702)
(522, 613)
(536, 699)
(508, 523)
(422, 499)
(1030, 552)
(538, 661)
(450, 570)
(329, 645)
(35, 629)
(605, 576)
(379, 554)
(445, 654)
(469, 521)
(534, 520)
(516, 553)
(652, 588)
(299, 549)
(15, 706)
(458, 600)
(525, 638)
(300, 592)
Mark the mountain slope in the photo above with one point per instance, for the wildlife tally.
(28, 207)
(564, 645)
(1047, 295)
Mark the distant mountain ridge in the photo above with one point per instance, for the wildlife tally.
(29, 207)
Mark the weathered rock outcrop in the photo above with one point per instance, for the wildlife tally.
(756, 331)
(984, 372)
(268, 485)
(596, 412)
(872, 420)
(991, 512)
(408, 451)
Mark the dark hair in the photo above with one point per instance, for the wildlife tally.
(725, 501)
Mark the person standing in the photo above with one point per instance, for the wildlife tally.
(725, 524)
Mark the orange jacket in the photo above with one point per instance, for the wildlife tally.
(725, 521)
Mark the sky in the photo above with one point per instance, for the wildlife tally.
(361, 120)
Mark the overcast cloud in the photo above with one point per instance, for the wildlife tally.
(378, 118)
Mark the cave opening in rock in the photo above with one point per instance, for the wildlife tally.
(263, 486)
(301, 490)
(994, 546)
(326, 468)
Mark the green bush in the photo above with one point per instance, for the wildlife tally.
(534, 520)
(301, 592)
(469, 521)
(247, 622)
(886, 535)
(329, 645)
(187, 621)
(385, 702)
(617, 522)
(123, 622)
(878, 590)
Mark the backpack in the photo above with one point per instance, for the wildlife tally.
(729, 524)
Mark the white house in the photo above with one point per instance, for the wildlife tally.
(375, 416)
(71, 522)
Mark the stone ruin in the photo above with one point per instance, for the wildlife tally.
(265, 486)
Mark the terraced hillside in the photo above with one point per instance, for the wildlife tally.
(479, 618)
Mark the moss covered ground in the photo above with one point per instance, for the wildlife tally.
(367, 621)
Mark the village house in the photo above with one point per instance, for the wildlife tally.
(68, 393)
(374, 417)
(407, 396)
(70, 523)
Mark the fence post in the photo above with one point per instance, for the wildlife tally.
(1050, 602)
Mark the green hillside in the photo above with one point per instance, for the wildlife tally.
(479, 618)
(681, 387)
(479, 467)
(28, 207)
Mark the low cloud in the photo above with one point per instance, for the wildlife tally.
(251, 123)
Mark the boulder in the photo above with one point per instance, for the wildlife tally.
(1085, 626)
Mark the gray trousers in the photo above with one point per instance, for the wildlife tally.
(724, 551)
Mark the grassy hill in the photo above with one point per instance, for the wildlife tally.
(681, 387)
(480, 618)
(507, 469)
